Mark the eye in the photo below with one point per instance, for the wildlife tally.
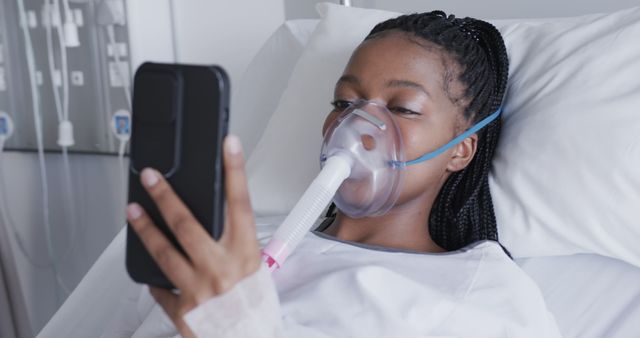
(404, 111)
(340, 105)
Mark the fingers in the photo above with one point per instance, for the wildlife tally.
(193, 238)
(240, 225)
(174, 265)
(167, 299)
(170, 303)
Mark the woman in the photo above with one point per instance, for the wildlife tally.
(430, 266)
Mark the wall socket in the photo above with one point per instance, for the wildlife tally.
(77, 78)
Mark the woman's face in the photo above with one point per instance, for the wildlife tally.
(417, 83)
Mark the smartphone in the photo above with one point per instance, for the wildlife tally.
(179, 120)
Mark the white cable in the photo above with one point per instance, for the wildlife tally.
(121, 128)
(67, 8)
(37, 117)
(62, 113)
(52, 71)
(4, 209)
(63, 66)
(71, 207)
(71, 38)
(66, 131)
(65, 128)
(123, 173)
(6, 217)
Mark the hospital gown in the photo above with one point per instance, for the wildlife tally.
(332, 288)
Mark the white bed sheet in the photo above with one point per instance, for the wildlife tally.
(590, 295)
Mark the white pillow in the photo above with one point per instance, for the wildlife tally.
(265, 80)
(566, 176)
(286, 159)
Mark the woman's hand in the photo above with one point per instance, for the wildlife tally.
(212, 267)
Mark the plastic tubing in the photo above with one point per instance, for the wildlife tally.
(64, 70)
(123, 172)
(304, 214)
(70, 29)
(63, 65)
(51, 59)
(37, 117)
(62, 114)
(6, 217)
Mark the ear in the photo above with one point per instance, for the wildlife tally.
(463, 153)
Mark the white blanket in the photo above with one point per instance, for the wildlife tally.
(349, 290)
(330, 288)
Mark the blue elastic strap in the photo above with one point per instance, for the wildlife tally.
(453, 142)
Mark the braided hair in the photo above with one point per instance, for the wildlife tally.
(463, 210)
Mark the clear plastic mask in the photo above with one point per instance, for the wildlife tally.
(367, 133)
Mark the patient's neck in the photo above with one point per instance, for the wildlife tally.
(403, 227)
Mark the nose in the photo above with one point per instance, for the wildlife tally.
(329, 121)
(368, 142)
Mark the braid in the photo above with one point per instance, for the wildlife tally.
(463, 210)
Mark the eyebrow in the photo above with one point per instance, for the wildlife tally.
(408, 84)
(349, 79)
(390, 84)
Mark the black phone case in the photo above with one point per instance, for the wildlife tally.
(180, 117)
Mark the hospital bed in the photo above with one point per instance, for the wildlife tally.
(589, 294)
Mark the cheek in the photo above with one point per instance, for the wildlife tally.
(417, 139)
(426, 176)
(421, 178)
(423, 136)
